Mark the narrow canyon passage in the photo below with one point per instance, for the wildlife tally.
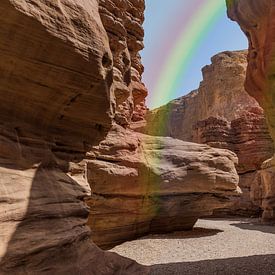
(85, 166)
(228, 246)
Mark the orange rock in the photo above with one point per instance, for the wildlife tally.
(144, 184)
(257, 20)
(221, 114)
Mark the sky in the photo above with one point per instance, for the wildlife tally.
(165, 22)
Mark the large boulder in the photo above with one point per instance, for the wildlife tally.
(70, 70)
(56, 86)
(144, 184)
(223, 115)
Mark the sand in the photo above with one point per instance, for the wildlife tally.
(215, 246)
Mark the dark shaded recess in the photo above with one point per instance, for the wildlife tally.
(196, 232)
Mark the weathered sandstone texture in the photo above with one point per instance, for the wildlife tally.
(56, 86)
(221, 114)
(221, 94)
(257, 20)
(70, 78)
(248, 137)
(43, 215)
(123, 23)
(143, 184)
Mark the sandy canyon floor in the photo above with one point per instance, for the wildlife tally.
(215, 246)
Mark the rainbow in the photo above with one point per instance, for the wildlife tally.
(202, 15)
(198, 18)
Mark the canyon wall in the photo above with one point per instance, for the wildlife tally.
(71, 88)
(55, 83)
(257, 20)
(123, 23)
(144, 184)
(221, 114)
(220, 94)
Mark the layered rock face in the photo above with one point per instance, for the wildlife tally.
(248, 137)
(43, 215)
(256, 19)
(221, 94)
(55, 84)
(70, 73)
(48, 89)
(143, 184)
(220, 113)
(123, 23)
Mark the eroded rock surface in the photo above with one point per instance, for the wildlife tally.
(70, 70)
(221, 114)
(123, 23)
(221, 94)
(143, 184)
(55, 83)
(43, 214)
(257, 20)
(248, 137)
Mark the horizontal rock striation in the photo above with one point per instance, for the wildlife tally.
(52, 75)
(221, 114)
(248, 137)
(123, 23)
(43, 215)
(143, 184)
(256, 19)
(71, 87)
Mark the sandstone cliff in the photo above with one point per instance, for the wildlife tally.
(56, 79)
(249, 138)
(70, 79)
(257, 20)
(221, 113)
(123, 23)
(143, 184)
(221, 94)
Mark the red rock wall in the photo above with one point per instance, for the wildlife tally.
(123, 23)
(221, 114)
(55, 82)
(257, 20)
(220, 94)
(248, 137)
(70, 72)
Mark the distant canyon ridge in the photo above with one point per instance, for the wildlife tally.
(75, 176)
(223, 115)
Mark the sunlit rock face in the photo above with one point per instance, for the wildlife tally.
(144, 184)
(71, 88)
(249, 138)
(221, 114)
(123, 23)
(55, 84)
(220, 94)
(257, 20)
